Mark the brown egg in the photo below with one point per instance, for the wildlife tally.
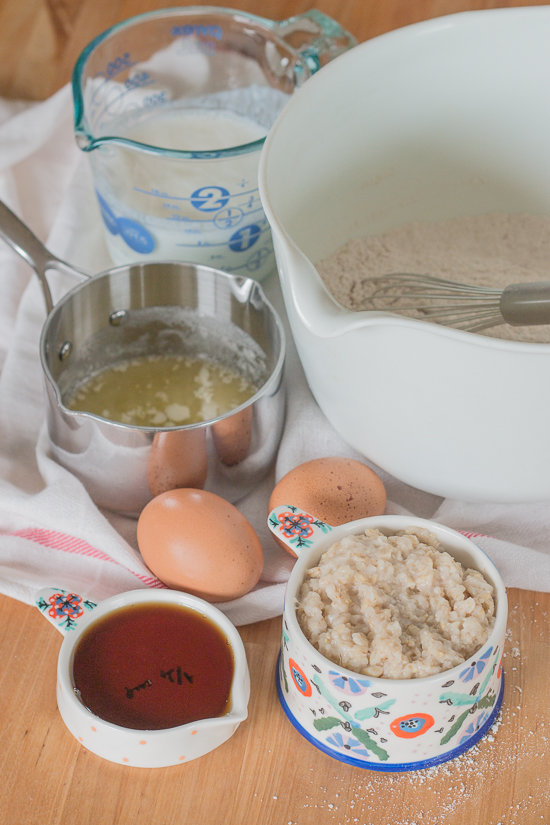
(177, 459)
(196, 541)
(333, 489)
(232, 437)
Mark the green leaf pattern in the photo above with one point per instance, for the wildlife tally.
(354, 728)
(478, 699)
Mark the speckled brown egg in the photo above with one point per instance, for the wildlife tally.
(178, 458)
(195, 541)
(232, 436)
(333, 489)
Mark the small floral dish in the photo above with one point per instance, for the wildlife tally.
(385, 724)
(151, 746)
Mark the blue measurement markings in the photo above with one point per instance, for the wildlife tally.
(108, 96)
(210, 198)
(256, 260)
(239, 241)
(116, 66)
(244, 238)
(202, 198)
(207, 200)
(227, 218)
(189, 30)
(155, 99)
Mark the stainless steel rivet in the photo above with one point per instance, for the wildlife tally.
(117, 317)
(65, 350)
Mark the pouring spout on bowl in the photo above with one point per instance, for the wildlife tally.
(316, 309)
(309, 298)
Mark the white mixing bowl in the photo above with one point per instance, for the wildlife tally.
(442, 119)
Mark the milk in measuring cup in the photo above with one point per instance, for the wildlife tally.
(196, 130)
(206, 209)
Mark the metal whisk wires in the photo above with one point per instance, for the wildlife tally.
(464, 306)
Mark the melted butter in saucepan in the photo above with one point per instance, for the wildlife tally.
(162, 391)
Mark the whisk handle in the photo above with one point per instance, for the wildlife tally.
(526, 304)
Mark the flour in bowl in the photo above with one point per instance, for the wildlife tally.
(489, 250)
(395, 607)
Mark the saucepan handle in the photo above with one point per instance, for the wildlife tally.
(32, 250)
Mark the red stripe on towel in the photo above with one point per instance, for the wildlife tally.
(70, 544)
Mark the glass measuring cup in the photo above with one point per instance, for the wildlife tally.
(173, 107)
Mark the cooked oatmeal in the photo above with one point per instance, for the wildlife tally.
(395, 607)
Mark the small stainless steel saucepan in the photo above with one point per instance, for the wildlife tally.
(157, 308)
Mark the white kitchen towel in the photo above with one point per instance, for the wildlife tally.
(51, 533)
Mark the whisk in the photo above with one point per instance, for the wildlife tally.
(469, 307)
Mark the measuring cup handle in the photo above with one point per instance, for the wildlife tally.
(32, 250)
(316, 37)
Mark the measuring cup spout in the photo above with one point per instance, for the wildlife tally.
(33, 251)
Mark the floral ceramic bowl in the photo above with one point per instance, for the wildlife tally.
(74, 615)
(384, 724)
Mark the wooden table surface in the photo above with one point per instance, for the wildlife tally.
(266, 773)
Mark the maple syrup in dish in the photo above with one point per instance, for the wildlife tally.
(154, 666)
